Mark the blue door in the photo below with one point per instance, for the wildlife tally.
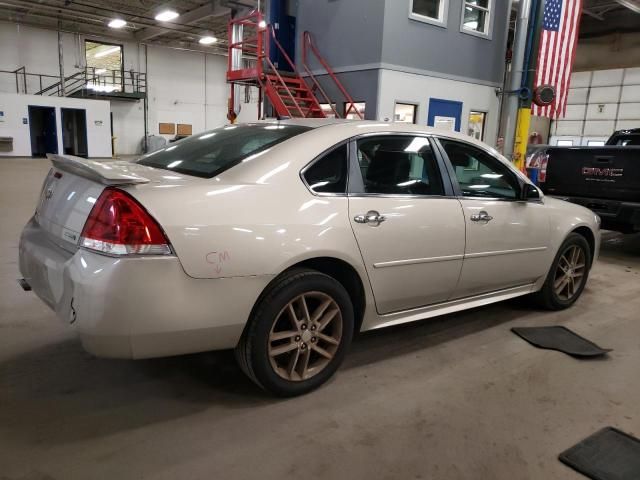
(444, 112)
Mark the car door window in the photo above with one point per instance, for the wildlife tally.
(402, 164)
(329, 173)
(478, 173)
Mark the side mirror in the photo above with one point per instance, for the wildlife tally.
(530, 192)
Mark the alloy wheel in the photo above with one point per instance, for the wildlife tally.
(305, 336)
(570, 272)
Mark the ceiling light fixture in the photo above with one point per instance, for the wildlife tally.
(106, 52)
(262, 24)
(208, 40)
(117, 23)
(167, 16)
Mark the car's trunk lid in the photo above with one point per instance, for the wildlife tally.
(73, 186)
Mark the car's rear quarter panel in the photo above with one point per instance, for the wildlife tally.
(257, 218)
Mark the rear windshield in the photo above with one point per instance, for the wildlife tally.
(210, 153)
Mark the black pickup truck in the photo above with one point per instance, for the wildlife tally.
(604, 179)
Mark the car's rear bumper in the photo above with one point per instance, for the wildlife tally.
(136, 307)
(615, 214)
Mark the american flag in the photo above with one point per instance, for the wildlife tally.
(557, 52)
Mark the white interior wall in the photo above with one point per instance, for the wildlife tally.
(598, 103)
(418, 89)
(16, 109)
(183, 86)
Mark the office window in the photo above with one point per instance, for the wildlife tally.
(429, 11)
(351, 114)
(104, 66)
(328, 109)
(595, 143)
(476, 16)
(564, 143)
(476, 124)
(405, 113)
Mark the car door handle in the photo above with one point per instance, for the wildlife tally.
(372, 218)
(481, 216)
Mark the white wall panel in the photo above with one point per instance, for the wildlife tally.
(16, 110)
(603, 111)
(607, 78)
(575, 112)
(595, 128)
(604, 95)
(580, 79)
(629, 111)
(626, 124)
(577, 95)
(568, 127)
(632, 76)
(630, 93)
(613, 103)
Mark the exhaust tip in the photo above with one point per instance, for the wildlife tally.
(24, 284)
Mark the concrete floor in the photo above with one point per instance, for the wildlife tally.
(460, 397)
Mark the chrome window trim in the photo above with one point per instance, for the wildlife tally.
(319, 157)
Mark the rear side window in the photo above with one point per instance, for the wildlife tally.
(210, 153)
(399, 165)
(329, 173)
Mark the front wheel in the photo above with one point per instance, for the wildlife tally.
(298, 334)
(568, 274)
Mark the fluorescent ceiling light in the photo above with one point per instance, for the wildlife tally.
(104, 53)
(100, 70)
(208, 40)
(167, 16)
(117, 23)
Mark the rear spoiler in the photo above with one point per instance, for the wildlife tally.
(107, 173)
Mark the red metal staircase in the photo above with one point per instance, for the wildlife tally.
(288, 92)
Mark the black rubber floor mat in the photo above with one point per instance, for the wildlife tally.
(561, 339)
(608, 454)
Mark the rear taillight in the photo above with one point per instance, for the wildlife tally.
(119, 225)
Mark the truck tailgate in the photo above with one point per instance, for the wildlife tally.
(596, 172)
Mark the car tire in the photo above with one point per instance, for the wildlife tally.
(560, 292)
(308, 339)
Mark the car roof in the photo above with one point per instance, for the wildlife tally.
(359, 127)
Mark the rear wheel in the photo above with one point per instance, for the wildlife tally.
(568, 275)
(298, 334)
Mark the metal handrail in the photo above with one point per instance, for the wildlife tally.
(308, 43)
(58, 85)
(273, 67)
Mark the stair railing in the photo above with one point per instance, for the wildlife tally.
(309, 45)
(21, 71)
(267, 59)
(57, 87)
